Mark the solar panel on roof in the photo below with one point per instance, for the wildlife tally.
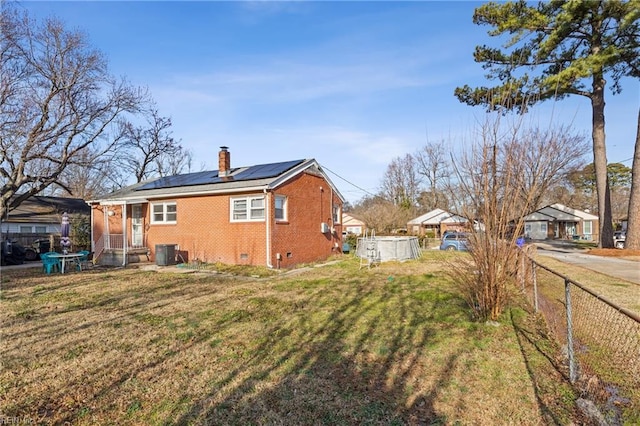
(262, 171)
(198, 178)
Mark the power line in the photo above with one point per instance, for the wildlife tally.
(624, 161)
(350, 183)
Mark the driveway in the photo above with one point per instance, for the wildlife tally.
(25, 265)
(565, 252)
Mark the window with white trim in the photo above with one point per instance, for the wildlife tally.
(336, 214)
(587, 227)
(281, 207)
(247, 209)
(165, 212)
(38, 229)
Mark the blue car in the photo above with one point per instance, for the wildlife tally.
(455, 241)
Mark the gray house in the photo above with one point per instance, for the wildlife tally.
(557, 221)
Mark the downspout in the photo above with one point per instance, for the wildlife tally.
(124, 234)
(106, 232)
(334, 231)
(268, 227)
(93, 245)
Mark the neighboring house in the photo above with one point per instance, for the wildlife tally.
(437, 221)
(558, 221)
(274, 215)
(42, 215)
(351, 225)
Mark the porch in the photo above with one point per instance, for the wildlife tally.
(112, 250)
(122, 239)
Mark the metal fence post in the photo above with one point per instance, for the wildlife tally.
(534, 278)
(572, 361)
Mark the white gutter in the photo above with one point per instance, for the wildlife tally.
(136, 200)
(118, 202)
(267, 217)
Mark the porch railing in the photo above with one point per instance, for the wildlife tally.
(116, 241)
(98, 248)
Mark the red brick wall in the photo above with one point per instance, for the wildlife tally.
(307, 207)
(204, 230)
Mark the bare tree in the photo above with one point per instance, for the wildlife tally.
(490, 193)
(56, 100)
(380, 214)
(401, 182)
(87, 177)
(544, 158)
(180, 162)
(432, 162)
(149, 149)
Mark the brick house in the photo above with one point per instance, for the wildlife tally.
(436, 222)
(274, 215)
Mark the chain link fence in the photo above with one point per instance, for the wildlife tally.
(600, 340)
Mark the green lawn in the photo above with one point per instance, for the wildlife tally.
(329, 345)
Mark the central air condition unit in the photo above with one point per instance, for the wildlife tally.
(324, 228)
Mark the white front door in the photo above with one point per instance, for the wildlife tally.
(136, 226)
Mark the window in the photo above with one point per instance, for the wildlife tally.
(587, 227)
(247, 209)
(336, 214)
(164, 212)
(38, 229)
(281, 207)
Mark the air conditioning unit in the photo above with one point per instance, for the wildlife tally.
(324, 228)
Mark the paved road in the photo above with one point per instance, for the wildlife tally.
(620, 268)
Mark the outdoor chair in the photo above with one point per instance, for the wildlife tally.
(49, 263)
(83, 261)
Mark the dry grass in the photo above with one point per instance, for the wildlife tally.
(621, 292)
(620, 254)
(330, 345)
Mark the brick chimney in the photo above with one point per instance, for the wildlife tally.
(224, 161)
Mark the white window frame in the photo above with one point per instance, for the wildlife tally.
(336, 213)
(544, 228)
(22, 229)
(587, 227)
(165, 213)
(284, 209)
(251, 212)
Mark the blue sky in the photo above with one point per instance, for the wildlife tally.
(351, 84)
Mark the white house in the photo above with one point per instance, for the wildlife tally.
(352, 225)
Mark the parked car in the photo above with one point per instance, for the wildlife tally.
(39, 246)
(619, 238)
(455, 241)
(11, 253)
